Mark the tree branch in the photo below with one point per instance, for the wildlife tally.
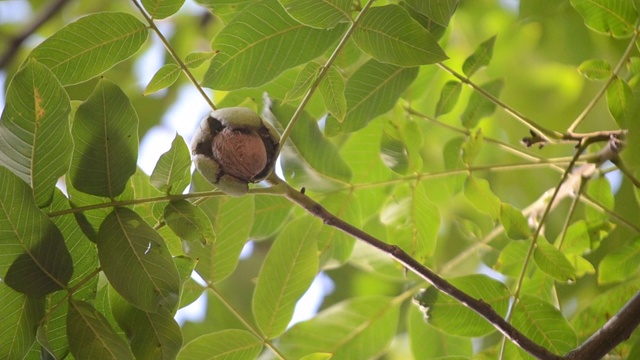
(477, 305)
(615, 331)
(17, 40)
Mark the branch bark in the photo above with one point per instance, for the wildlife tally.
(477, 305)
(17, 40)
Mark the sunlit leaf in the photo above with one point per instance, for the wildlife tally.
(137, 262)
(245, 41)
(271, 213)
(91, 45)
(163, 78)
(222, 345)
(304, 80)
(35, 142)
(552, 261)
(172, 173)
(33, 257)
(371, 91)
(151, 335)
(332, 91)
(480, 57)
(308, 148)
(160, 9)
(91, 336)
(359, 328)
(472, 147)
(323, 14)
(615, 17)
(452, 317)
(448, 97)
(20, 315)
(427, 342)
(479, 106)
(188, 221)
(334, 246)
(287, 272)
(390, 35)
(595, 69)
(512, 258)
(439, 11)
(621, 263)
(544, 324)
(620, 99)
(105, 134)
(231, 219)
(599, 189)
(515, 224)
(479, 193)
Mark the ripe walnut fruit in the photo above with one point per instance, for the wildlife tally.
(233, 147)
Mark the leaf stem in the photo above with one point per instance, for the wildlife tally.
(174, 55)
(603, 89)
(323, 71)
(479, 306)
(244, 322)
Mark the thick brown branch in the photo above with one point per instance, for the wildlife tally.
(615, 331)
(16, 41)
(477, 305)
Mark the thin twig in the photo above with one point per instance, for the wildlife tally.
(614, 74)
(321, 75)
(16, 42)
(479, 306)
(174, 55)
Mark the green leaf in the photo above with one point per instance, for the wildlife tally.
(287, 272)
(91, 45)
(552, 261)
(478, 192)
(620, 264)
(137, 262)
(249, 42)
(621, 102)
(452, 317)
(428, 342)
(188, 221)
(271, 213)
(332, 91)
(372, 90)
(32, 251)
(160, 9)
(600, 190)
(595, 69)
(393, 150)
(197, 58)
(544, 324)
(91, 336)
(512, 258)
(391, 35)
(20, 316)
(229, 344)
(439, 11)
(172, 173)
(309, 149)
(35, 142)
(471, 148)
(515, 224)
(323, 14)
(479, 106)
(305, 78)
(163, 78)
(335, 246)
(615, 17)
(105, 134)
(151, 335)
(448, 97)
(481, 57)
(413, 221)
(358, 328)
(232, 219)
